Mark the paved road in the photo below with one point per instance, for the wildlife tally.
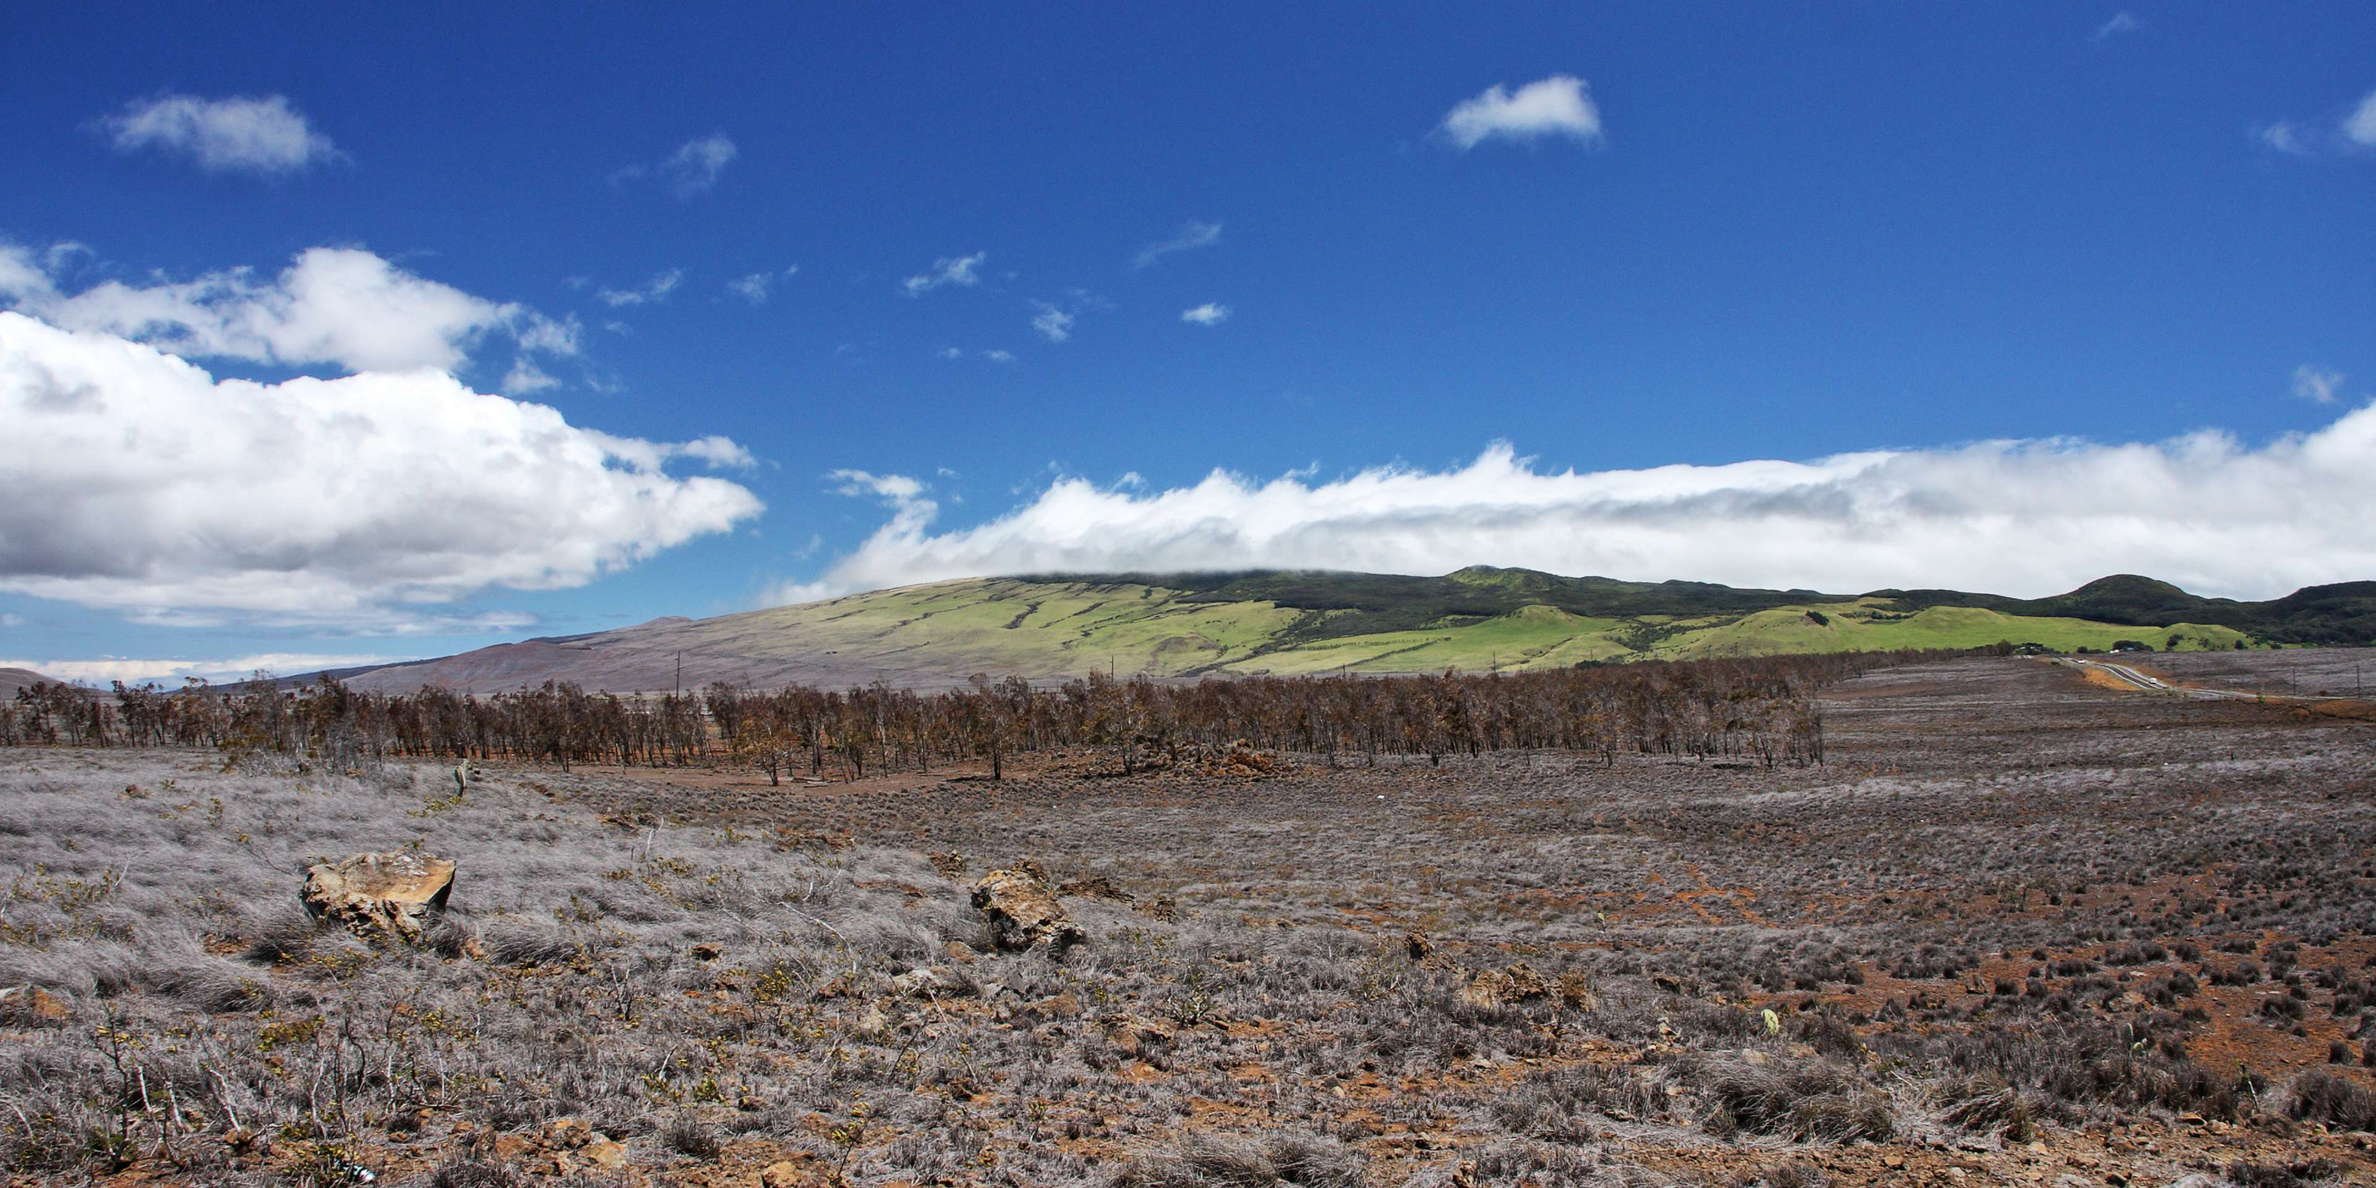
(2151, 684)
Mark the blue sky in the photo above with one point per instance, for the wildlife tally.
(1839, 296)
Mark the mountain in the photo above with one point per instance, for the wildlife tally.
(1269, 621)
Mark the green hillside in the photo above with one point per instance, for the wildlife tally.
(1477, 620)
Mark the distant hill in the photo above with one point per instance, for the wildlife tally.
(2343, 613)
(1054, 626)
(14, 679)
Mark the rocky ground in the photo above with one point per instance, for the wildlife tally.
(2020, 929)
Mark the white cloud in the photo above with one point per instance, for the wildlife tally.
(2360, 126)
(262, 134)
(2123, 21)
(172, 672)
(2013, 517)
(525, 377)
(1193, 235)
(11, 619)
(999, 356)
(948, 270)
(340, 306)
(1211, 313)
(138, 482)
(754, 287)
(1556, 106)
(2283, 137)
(950, 353)
(693, 169)
(2315, 383)
(654, 290)
(1053, 324)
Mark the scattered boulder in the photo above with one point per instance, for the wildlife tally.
(786, 1173)
(1023, 912)
(1136, 1035)
(382, 896)
(1096, 886)
(1522, 983)
(32, 1006)
(927, 982)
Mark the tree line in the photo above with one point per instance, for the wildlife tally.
(1760, 709)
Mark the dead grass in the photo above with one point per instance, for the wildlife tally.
(2014, 909)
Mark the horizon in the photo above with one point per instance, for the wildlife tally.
(369, 337)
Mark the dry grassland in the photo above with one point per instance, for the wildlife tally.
(2020, 929)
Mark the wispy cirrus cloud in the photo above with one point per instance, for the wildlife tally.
(1052, 322)
(1558, 107)
(2354, 131)
(2015, 517)
(2360, 126)
(961, 271)
(755, 287)
(2316, 384)
(650, 292)
(1192, 235)
(2121, 22)
(693, 169)
(263, 134)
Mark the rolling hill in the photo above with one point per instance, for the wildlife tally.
(1478, 619)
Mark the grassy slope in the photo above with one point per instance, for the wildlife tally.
(1292, 623)
(1052, 628)
(998, 626)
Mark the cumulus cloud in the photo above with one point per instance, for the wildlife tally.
(2123, 21)
(340, 306)
(693, 169)
(654, 290)
(2013, 517)
(1556, 106)
(139, 482)
(1053, 324)
(999, 356)
(1211, 313)
(2315, 383)
(1190, 237)
(261, 134)
(961, 271)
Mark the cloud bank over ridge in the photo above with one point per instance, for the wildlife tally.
(2025, 518)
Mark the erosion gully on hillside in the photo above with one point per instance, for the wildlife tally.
(2020, 928)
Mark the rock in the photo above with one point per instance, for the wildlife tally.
(1095, 886)
(1023, 912)
(928, 982)
(605, 1153)
(1417, 946)
(783, 1173)
(1136, 1034)
(32, 1006)
(1523, 983)
(381, 896)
